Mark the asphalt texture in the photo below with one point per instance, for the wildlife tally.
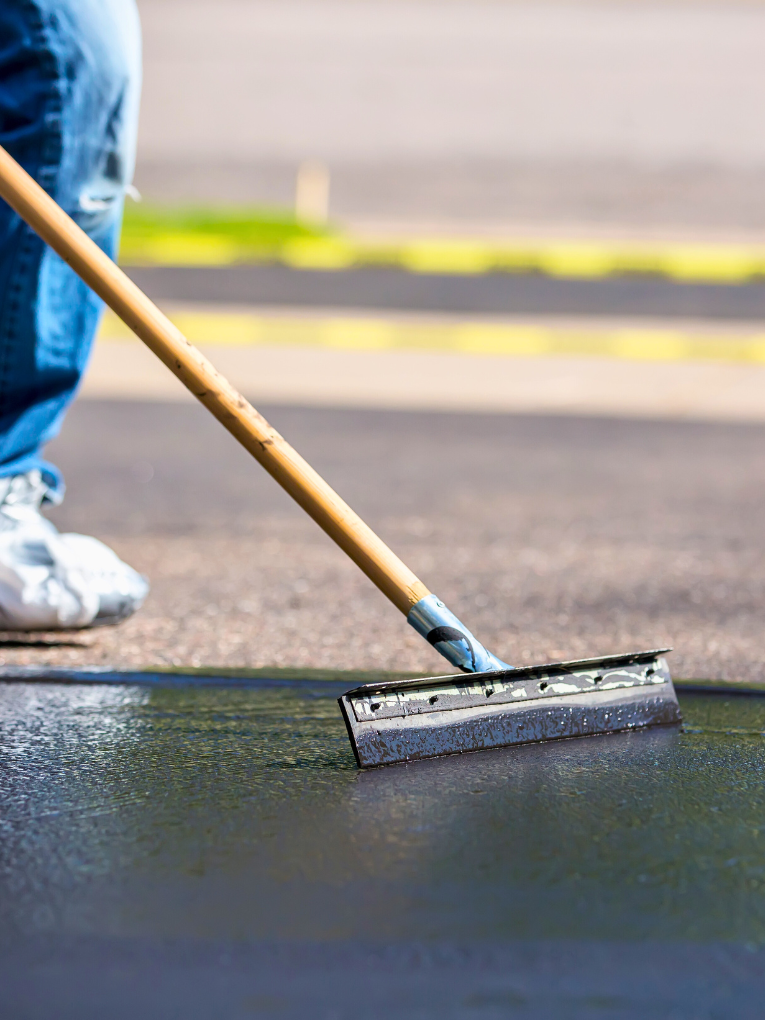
(214, 852)
(552, 538)
(488, 293)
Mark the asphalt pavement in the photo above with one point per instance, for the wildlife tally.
(205, 852)
(554, 537)
(484, 293)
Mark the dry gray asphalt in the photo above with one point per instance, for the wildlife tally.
(552, 537)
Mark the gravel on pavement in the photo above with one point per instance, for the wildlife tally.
(552, 537)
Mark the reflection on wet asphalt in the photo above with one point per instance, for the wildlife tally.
(214, 852)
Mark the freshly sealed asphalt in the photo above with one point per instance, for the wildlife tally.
(489, 293)
(214, 853)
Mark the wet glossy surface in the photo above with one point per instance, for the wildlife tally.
(198, 852)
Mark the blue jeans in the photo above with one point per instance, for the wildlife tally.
(69, 90)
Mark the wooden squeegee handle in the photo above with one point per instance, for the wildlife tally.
(196, 373)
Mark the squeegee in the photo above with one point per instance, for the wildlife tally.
(489, 703)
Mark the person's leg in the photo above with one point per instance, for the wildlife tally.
(69, 89)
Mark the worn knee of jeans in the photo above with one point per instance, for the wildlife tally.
(98, 44)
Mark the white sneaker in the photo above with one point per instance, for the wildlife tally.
(50, 581)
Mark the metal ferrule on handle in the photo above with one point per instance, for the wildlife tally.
(441, 628)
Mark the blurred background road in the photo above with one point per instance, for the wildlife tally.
(569, 453)
(464, 112)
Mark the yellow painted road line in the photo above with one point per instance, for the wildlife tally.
(238, 329)
(683, 262)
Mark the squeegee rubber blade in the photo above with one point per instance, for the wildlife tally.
(401, 722)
